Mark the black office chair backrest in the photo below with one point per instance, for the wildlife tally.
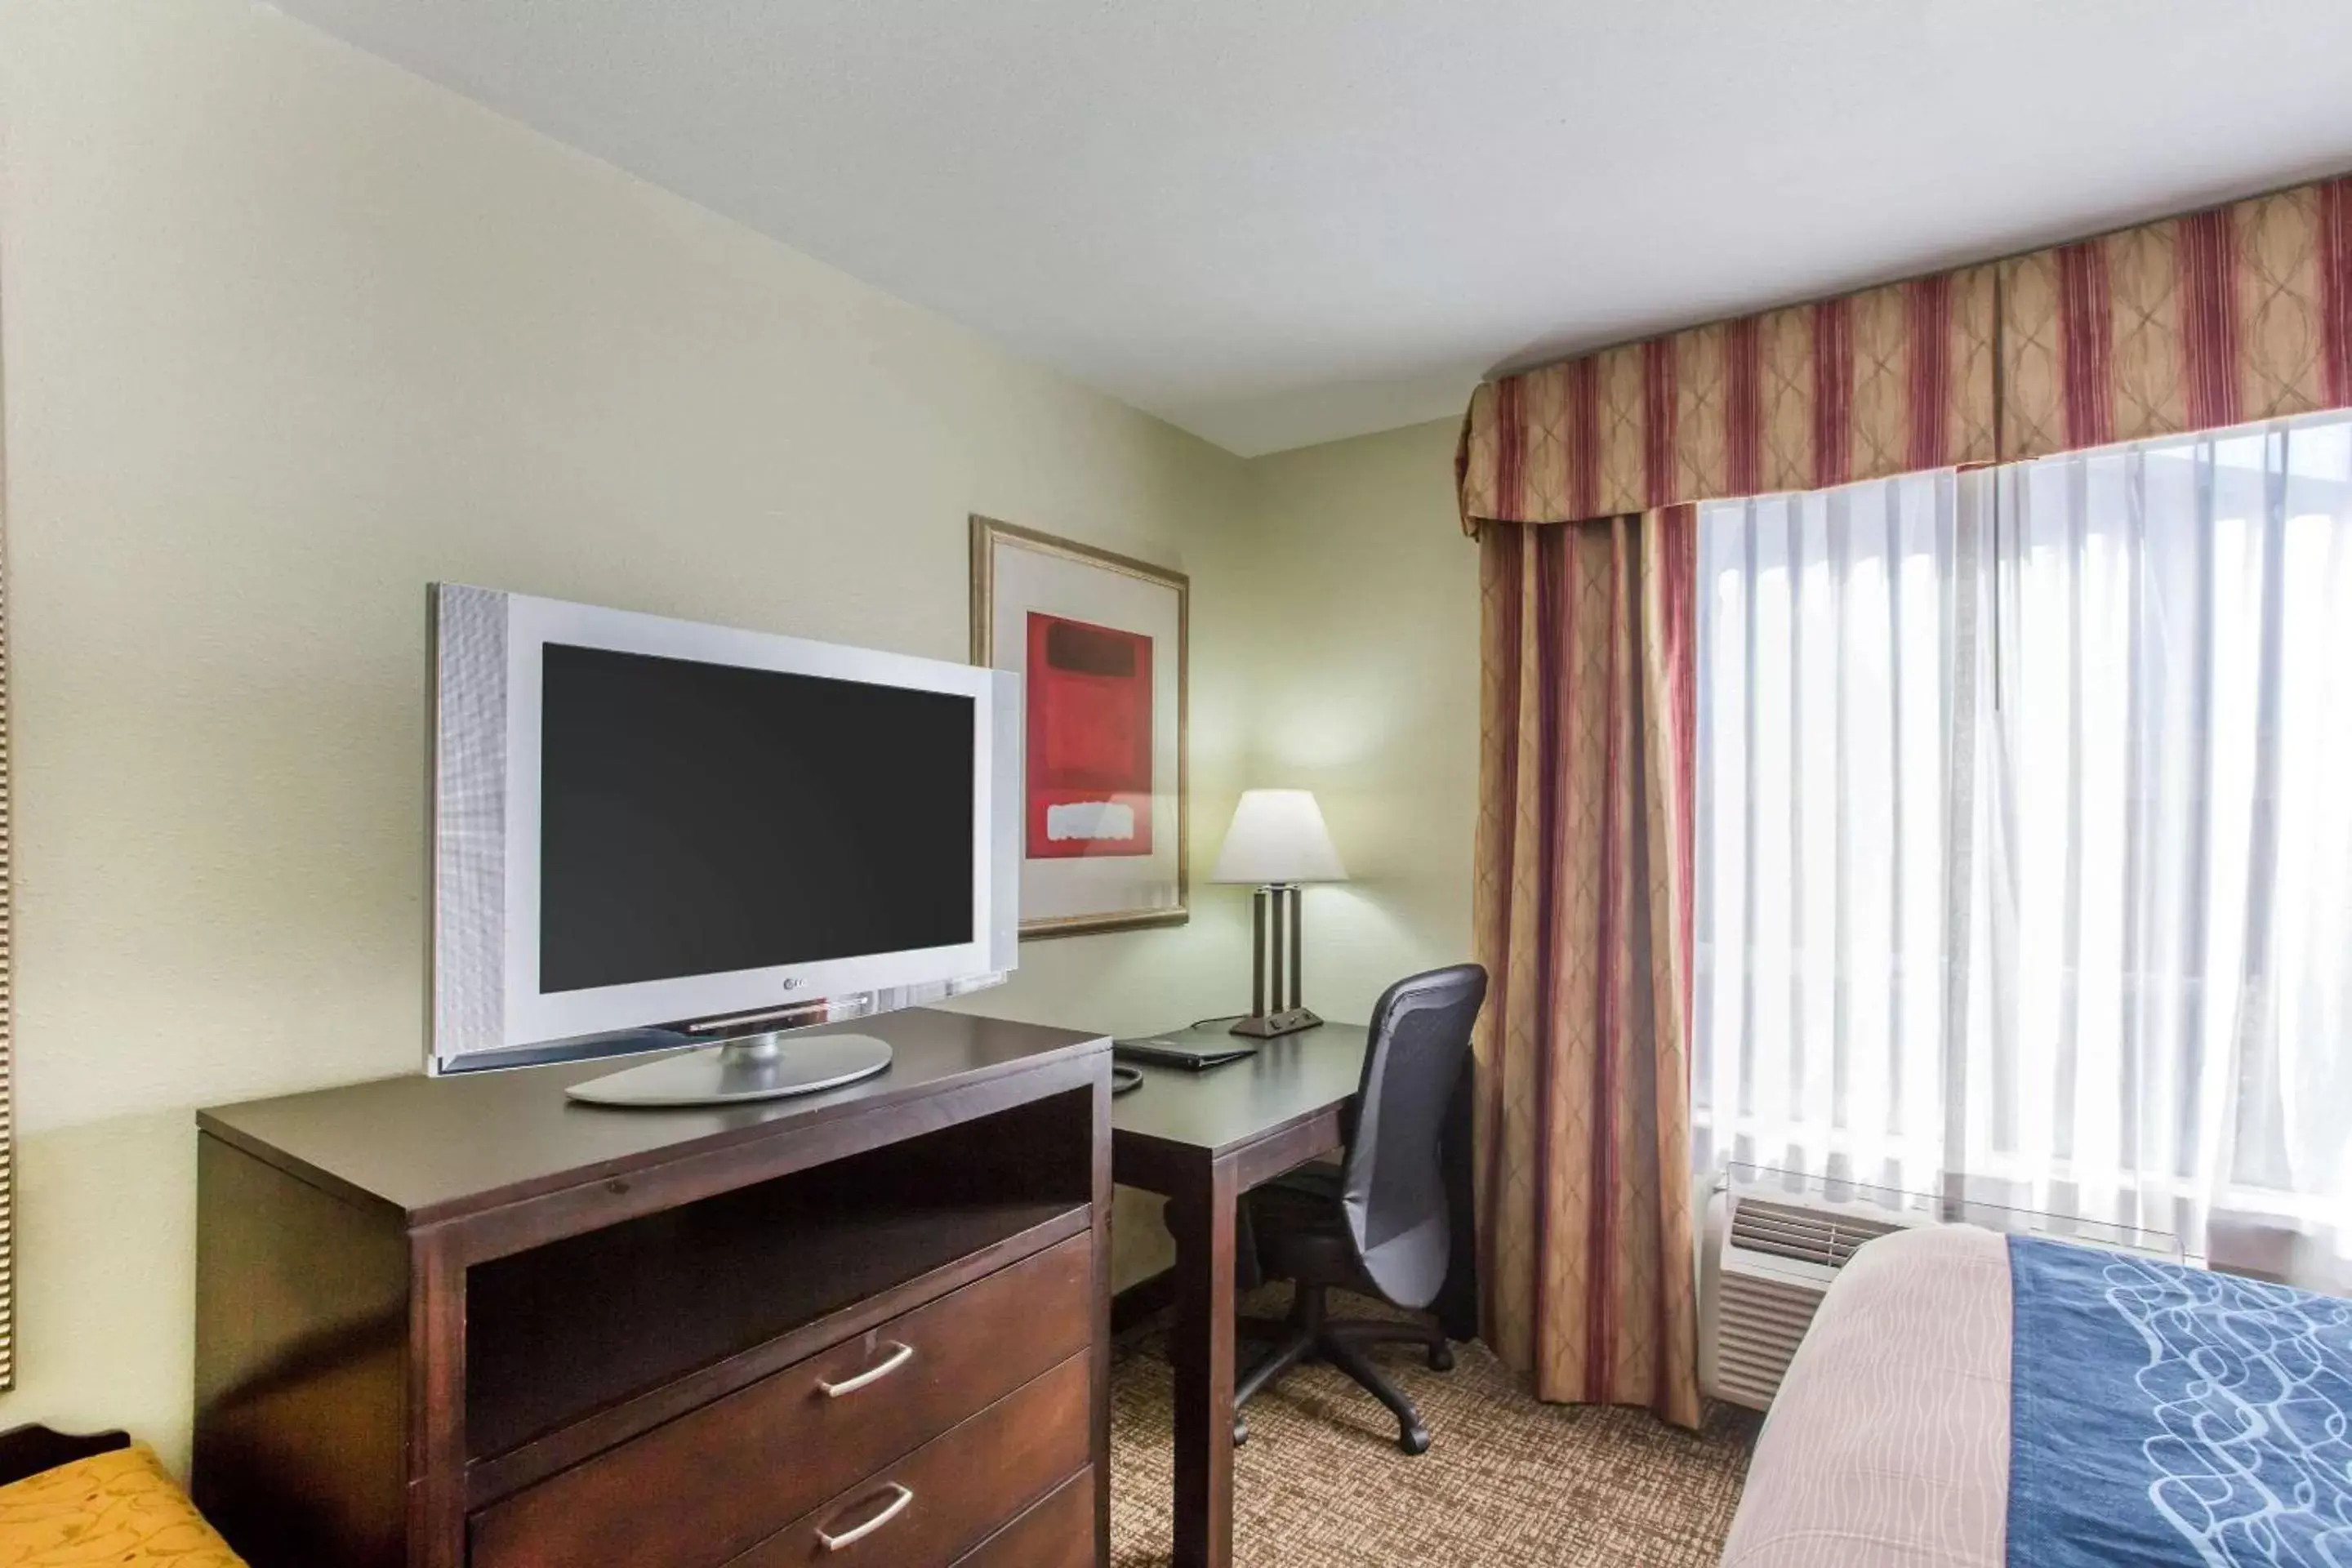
(1392, 1182)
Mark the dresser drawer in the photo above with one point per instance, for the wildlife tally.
(1058, 1533)
(698, 1490)
(953, 1492)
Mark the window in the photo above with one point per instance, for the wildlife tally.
(2025, 831)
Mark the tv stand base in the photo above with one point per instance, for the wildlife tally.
(757, 1067)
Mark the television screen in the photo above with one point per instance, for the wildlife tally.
(701, 818)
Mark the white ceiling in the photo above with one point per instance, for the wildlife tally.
(1278, 222)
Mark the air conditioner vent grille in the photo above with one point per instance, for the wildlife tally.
(1820, 1237)
(1756, 1331)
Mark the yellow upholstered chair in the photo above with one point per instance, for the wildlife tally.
(118, 1508)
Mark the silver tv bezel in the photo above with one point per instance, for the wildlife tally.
(487, 1009)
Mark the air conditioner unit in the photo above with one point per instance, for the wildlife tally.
(1767, 1259)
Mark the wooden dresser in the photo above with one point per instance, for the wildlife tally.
(467, 1321)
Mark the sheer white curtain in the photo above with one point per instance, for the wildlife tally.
(2026, 835)
(1838, 690)
(2169, 872)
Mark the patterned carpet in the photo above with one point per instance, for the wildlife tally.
(1507, 1483)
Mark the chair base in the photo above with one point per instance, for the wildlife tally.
(1311, 1335)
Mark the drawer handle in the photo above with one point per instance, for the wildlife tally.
(852, 1536)
(872, 1375)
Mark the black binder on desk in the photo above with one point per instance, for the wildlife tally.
(1194, 1052)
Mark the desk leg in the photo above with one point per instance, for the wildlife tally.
(1201, 1217)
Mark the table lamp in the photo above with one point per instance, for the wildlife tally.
(1278, 841)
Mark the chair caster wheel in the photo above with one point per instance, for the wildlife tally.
(1240, 1433)
(1440, 1358)
(1413, 1439)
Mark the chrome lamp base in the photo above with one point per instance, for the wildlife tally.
(755, 1068)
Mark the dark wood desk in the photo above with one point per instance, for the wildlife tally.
(1202, 1140)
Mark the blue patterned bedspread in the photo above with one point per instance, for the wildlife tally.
(2162, 1416)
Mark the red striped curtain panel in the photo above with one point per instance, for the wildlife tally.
(1582, 914)
(2241, 313)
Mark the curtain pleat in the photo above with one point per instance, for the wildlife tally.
(1583, 921)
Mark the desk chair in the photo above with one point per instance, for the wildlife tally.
(1376, 1223)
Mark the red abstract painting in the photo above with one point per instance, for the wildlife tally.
(1089, 740)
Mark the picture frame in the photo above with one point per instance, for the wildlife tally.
(7, 993)
(1101, 642)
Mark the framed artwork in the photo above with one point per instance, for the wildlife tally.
(7, 1043)
(1098, 640)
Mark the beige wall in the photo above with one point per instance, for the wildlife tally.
(290, 334)
(287, 334)
(1364, 684)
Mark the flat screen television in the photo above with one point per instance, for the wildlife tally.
(649, 833)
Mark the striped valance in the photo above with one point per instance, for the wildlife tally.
(2239, 312)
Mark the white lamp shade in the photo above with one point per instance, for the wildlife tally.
(1278, 835)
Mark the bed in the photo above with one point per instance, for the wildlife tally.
(1970, 1400)
(98, 1499)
